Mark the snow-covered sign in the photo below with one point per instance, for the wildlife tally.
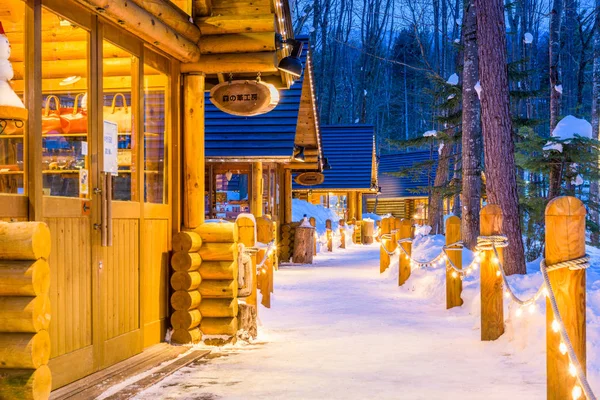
(570, 126)
(478, 89)
(453, 80)
(528, 38)
(430, 134)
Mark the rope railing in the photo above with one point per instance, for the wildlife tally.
(270, 247)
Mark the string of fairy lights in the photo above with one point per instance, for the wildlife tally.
(491, 244)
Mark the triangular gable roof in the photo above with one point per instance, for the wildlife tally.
(405, 186)
(349, 150)
(271, 135)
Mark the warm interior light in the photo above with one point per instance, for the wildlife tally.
(228, 175)
(70, 80)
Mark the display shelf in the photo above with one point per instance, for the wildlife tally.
(11, 172)
(12, 136)
(61, 171)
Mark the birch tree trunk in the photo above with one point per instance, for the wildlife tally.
(594, 189)
(555, 20)
(471, 131)
(497, 127)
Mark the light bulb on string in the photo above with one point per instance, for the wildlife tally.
(495, 260)
(555, 326)
(454, 274)
(497, 273)
(531, 308)
(572, 369)
(562, 347)
(577, 392)
(507, 294)
(519, 312)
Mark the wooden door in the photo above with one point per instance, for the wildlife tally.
(120, 254)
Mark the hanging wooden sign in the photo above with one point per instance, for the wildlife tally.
(244, 98)
(310, 178)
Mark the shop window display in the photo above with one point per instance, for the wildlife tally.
(65, 88)
(12, 110)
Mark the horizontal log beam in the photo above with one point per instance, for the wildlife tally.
(219, 326)
(24, 241)
(218, 308)
(141, 23)
(212, 64)
(172, 16)
(238, 43)
(218, 232)
(184, 336)
(24, 350)
(202, 8)
(24, 314)
(219, 270)
(24, 278)
(219, 25)
(26, 384)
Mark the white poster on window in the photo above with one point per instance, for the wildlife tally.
(111, 141)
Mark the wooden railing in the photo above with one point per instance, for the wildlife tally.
(564, 275)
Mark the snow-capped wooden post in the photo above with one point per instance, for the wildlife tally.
(304, 244)
(329, 235)
(342, 234)
(492, 308)
(404, 231)
(313, 223)
(247, 231)
(384, 258)
(453, 281)
(565, 241)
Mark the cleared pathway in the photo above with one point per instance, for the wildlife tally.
(339, 330)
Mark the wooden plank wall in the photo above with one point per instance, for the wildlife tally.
(121, 274)
(155, 278)
(71, 285)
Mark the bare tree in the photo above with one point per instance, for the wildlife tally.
(497, 127)
(555, 22)
(595, 116)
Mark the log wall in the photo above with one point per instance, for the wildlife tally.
(25, 310)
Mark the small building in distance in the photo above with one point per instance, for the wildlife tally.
(404, 196)
(350, 151)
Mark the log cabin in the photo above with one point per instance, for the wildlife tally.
(350, 152)
(404, 196)
(250, 160)
(109, 151)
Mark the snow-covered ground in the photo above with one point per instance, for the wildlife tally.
(338, 329)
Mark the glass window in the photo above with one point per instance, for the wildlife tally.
(65, 88)
(231, 195)
(156, 103)
(12, 127)
(120, 69)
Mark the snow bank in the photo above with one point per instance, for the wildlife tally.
(525, 333)
(321, 214)
(372, 216)
(570, 126)
(430, 134)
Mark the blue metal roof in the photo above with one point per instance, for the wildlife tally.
(261, 136)
(349, 150)
(405, 186)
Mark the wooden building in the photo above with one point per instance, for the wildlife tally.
(111, 156)
(350, 151)
(404, 196)
(250, 160)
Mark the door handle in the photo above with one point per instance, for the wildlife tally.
(106, 206)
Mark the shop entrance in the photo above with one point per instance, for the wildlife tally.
(94, 165)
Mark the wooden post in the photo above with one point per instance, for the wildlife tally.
(384, 258)
(565, 240)
(287, 197)
(359, 206)
(329, 236)
(394, 226)
(351, 206)
(303, 245)
(404, 231)
(342, 234)
(492, 309)
(256, 204)
(453, 281)
(313, 223)
(193, 150)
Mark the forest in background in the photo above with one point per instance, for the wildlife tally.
(410, 66)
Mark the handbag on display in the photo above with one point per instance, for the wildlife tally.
(119, 115)
(74, 120)
(51, 124)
